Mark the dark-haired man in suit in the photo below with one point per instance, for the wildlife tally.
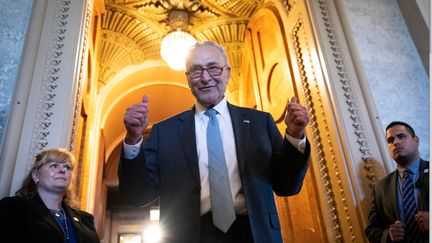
(214, 167)
(400, 208)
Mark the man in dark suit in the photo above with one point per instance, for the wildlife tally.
(400, 208)
(177, 162)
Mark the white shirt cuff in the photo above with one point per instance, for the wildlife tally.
(131, 151)
(299, 144)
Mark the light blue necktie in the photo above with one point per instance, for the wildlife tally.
(412, 231)
(220, 192)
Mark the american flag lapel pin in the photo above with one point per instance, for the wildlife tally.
(246, 121)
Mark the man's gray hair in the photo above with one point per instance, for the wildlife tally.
(209, 43)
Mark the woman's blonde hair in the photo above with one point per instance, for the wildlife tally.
(29, 188)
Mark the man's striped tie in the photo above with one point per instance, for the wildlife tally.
(412, 230)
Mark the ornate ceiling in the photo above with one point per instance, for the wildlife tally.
(133, 29)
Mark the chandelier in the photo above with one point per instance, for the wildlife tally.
(175, 45)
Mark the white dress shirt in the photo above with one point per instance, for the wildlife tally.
(227, 135)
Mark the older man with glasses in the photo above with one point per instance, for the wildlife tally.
(214, 167)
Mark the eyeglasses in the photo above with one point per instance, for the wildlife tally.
(197, 71)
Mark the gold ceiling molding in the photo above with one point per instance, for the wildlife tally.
(133, 29)
(120, 51)
(236, 8)
(159, 11)
(117, 44)
(224, 30)
(197, 9)
(125, 41)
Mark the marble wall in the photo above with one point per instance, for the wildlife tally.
(397, 79)
(14, 20)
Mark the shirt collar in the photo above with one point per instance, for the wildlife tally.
(221, 108)
(414, 167)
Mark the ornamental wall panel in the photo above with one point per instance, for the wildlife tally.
(47, 100)
(299, 48)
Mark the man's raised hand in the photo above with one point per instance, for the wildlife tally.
(136, 120)
(296, 118)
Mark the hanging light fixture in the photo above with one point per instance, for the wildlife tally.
(174, 48)
(175, 45)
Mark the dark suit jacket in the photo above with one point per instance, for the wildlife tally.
(167, 167)
(385, 209)
(23, 220)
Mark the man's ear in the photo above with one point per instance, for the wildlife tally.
(228, 73)
(417, 140)
(189, 83)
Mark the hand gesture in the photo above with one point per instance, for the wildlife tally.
(397, 231)
(136, 121)
(296, 119)
(422, 218)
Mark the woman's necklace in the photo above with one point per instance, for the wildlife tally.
(56, 212)
(61, 219)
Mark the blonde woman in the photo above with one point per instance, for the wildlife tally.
(44, 209)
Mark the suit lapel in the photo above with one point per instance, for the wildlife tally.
(393, 195)
(423, 184)
(41, 210)
(241, 122)
(74, 218)
(186, 131)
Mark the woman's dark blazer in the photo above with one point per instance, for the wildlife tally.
(29, 220)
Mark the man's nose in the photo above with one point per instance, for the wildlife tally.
(206, 77)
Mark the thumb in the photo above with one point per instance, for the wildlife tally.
(293, 99)
(398, 222)
(144, 99)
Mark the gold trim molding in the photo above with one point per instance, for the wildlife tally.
(317, 136)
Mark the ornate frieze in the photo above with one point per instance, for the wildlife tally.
(50, 81)
(288, 5)
(352, 107)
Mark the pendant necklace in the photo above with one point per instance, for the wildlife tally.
(61, 219)
(56, 213)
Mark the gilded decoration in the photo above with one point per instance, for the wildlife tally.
(317, 133)
(329, 167)
(82, 73)
(132, 31)
(79, 92)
